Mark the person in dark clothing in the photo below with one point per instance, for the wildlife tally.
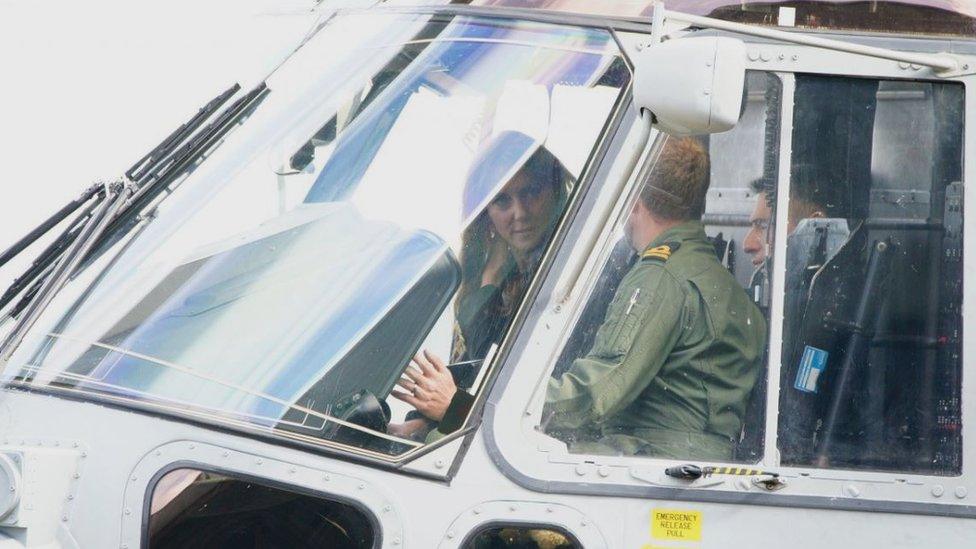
(501, 249)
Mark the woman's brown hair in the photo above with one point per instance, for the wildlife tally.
(475, 249)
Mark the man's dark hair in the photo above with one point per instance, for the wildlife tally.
(760, 185)
(676, 187)
(808, 184)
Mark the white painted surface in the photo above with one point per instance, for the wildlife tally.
(86, 88)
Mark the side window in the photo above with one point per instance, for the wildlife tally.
(668, 356)
(501, 536)
(871, 356)
(198, 509)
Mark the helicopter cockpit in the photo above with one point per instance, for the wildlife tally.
(451, 184)
(870, 279)
(293, 298)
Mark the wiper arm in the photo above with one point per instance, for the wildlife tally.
(90, 230)
(93, 231)
(44, 261)
(49, 224)
(151, 161)
(156, 156)
(50, 254)
(190, 150)
(155, 179)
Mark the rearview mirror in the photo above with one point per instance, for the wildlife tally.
(691, 85)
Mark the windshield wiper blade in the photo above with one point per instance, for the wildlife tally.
(148, 162)
(66, 264)
(50, 254)
(153, 182)
(154, 157)
(191, 148)
(49, 224)
(78, 246)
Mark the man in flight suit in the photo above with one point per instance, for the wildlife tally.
(673, 364)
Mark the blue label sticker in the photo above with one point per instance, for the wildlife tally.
(812, 364)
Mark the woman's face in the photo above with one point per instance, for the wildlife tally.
(522, 211)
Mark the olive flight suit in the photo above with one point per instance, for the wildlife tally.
(672, 365)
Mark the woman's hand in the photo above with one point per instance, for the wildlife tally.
(430, 387)
(497, 257)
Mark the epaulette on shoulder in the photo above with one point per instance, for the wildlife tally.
(661, 253)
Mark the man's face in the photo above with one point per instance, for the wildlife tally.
(757, 240)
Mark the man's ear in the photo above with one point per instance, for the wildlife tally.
(640, 209)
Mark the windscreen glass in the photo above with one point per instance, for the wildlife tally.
(419, 170)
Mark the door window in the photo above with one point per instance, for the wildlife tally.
(192, 509)
(871, 367)
(668, 355)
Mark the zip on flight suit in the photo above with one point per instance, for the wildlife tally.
(673, 364)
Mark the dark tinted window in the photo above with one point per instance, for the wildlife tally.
(521, 537)
(197, 509)
(871, 362)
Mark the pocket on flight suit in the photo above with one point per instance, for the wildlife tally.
(617, 334)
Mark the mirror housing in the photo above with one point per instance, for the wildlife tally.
(691, 85)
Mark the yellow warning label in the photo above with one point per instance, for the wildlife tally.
(675, 524)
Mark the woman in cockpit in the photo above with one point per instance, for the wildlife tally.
(501, 249)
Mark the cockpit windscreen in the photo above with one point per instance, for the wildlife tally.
(417, 173)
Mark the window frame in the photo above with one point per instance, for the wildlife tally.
(536, 462)
(529, 524)
(247, 476)
(781, 210)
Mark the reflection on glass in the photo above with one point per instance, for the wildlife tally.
(292, 298)
(736, 221)
(680, 345)
(193, 509)
(872, 322)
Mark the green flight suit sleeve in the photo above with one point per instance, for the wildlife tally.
(642, 325)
